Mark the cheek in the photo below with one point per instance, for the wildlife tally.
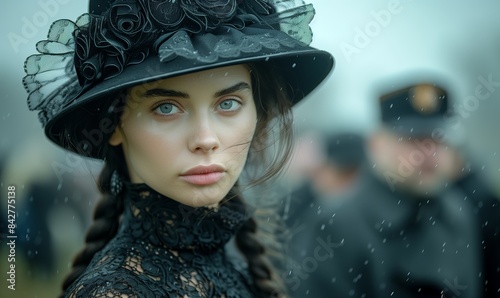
(148, 146)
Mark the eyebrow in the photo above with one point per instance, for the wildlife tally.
(237, 87)
(159, 92)
(164, 92)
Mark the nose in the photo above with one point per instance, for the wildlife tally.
(204, 136)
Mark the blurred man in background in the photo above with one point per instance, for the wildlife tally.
(408, 230)
(330, 179)
(326, 183)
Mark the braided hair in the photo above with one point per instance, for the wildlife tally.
(272, 103)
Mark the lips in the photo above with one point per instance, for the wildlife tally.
(203, 175)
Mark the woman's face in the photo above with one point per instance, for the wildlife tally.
(188, 137)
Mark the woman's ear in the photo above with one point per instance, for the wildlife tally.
(116, 138)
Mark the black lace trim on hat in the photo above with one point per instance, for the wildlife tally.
(78, 55)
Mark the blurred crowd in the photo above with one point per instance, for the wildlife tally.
(401, 212)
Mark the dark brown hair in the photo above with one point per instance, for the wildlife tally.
(273, 129)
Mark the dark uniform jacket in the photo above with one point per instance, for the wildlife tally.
(381, 243)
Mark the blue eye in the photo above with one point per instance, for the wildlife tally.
(166, 109)
(229, 105)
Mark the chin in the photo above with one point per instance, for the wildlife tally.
(202, 202)
(206, 197)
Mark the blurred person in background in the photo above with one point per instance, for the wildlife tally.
(486, 205)
(44, 197)
(330, 178)
(408, 230)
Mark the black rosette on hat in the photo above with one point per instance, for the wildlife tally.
(122, 43)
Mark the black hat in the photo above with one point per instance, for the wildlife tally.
(122, 43)
(415, 110)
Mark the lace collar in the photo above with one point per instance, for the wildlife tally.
(161, 221)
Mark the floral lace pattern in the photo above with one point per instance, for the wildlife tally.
(165, 249)
(78, 55)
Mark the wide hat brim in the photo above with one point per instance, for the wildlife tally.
(303, 68)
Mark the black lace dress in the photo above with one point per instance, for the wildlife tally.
(166, 249)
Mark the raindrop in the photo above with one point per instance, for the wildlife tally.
(293, 65)
(391, 106)
(322, 227)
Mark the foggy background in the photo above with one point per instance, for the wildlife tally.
(372, 41)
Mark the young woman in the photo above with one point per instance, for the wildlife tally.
(177, 98)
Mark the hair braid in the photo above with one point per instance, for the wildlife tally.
(106, 220)
(260, 267)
